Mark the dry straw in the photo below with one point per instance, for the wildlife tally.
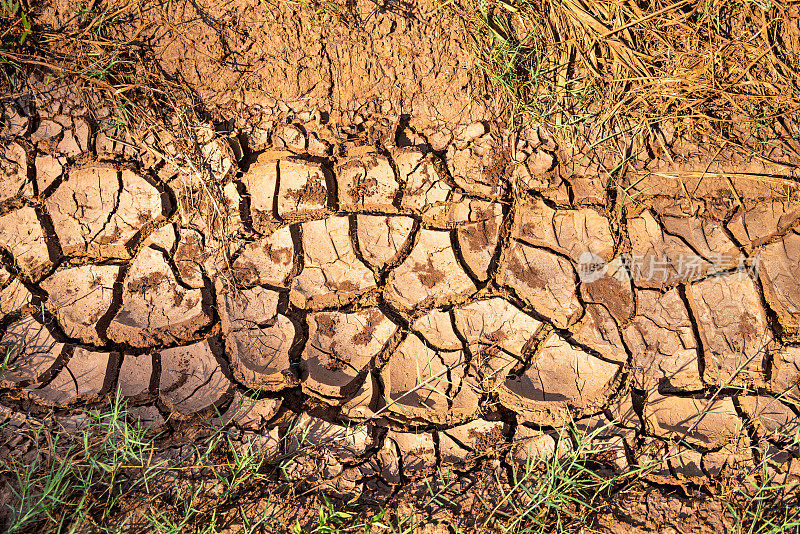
(714, 69)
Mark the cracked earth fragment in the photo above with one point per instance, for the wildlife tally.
(30, 350)
(706, 237)
(269, 260)
(22, 236)
(98, 210)
(436, 328)
(770, 418)
(381, 239)
(343, 442)
(386, 462)
(191, 378)
(48, 169)
(189, 258)
(598, 331)
(755, 225)
(332, 274)
(779, 268)
(340, 349)
(80, 297)
(561, 382)
(430, 276)
(687, 465)
(661, 338)
(260, 182)
(785, 372)
(611, 442)
(544, 280)
(245, 308)
(478, 241)
(13, 294)
(163, 237)
(135, 375)
(364, 404)
(259, 357)
(85, 377)
(569, 232)
(462, 445)
(367, 184)
(417, 450)
(476, 173)
(155, 308)
(249, 413)
(428, 384)
(14, 172)
(729, 460)
(733, 327)
(494, 323)
(531, 446)
(609, 287)
(424, 185)
(302, 189)
(659, 259)
(708, 424)
(459, 210)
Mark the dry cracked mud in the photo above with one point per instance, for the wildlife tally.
(451, 304)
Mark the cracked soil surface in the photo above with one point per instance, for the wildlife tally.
(459, 290)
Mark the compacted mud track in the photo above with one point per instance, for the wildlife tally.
(458, 291)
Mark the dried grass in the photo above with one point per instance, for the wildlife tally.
(98, 46)
(714, 69)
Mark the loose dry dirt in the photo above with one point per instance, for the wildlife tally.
(366, 244)
(389, 57)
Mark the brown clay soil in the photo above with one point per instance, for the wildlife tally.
(344, 220)
(389, 58)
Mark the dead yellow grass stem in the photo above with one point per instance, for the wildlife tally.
(706, 67)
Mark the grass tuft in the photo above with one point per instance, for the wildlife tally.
(112, 476)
